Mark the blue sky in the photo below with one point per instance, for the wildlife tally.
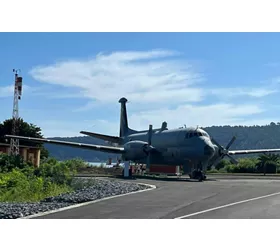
(73, 81)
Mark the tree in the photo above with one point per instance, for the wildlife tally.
(271, 167)
(267, 163)
(222, 164)
(25, 129)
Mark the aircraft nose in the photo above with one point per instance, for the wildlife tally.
(209, 150)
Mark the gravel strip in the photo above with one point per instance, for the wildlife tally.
(86, 189)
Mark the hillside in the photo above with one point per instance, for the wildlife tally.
(251, 137)
(64, 152)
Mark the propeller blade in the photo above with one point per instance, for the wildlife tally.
(230, 143)
(149, 143)
(216, 143)
(223, 152)
(215, 163)
(150, 134)
(232, 160)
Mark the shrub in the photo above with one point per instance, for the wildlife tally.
(269, 167)
(76, 163)
(222, 170)
(21, 182)
(20, 186)
(60, 173)
(10, 162)
(222, 164)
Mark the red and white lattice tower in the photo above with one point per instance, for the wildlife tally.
(14, 144)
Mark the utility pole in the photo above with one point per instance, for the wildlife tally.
(14, 144)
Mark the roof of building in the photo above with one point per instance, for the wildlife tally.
(21, 146)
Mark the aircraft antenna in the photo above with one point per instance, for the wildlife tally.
(14, 143)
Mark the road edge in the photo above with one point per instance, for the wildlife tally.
(152, 187)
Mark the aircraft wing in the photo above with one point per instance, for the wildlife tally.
(114, 139)
(253, 151)
(106, 149)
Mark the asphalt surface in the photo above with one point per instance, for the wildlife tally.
(224, 198)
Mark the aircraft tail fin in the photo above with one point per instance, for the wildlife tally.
(124, 129)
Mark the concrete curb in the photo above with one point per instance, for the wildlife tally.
(152, 187)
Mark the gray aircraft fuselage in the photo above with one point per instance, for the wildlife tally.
(172, 147)
(176, 146)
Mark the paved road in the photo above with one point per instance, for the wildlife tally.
(173, 199)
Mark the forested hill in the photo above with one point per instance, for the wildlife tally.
(251, 137)
(65, 152)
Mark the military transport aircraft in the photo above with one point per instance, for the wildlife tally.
(182, 146)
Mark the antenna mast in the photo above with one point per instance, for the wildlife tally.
(14, 144)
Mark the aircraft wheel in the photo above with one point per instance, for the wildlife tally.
(194, 174)
(197, 175)
(200, 176)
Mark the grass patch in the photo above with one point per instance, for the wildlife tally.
(16, 186)
(20, 182)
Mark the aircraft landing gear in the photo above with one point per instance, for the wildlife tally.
(198, 175)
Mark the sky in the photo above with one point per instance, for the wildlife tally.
(73, 81)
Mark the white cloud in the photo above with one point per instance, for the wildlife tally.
(159, 85)
(139, 75)
(192, 115)
(251, 92)
(261, 92)
(155, 77)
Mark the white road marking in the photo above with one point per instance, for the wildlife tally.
(89, 202)
(228, 205)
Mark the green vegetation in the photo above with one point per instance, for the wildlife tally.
(24, 129)
(21, 182)
(265, 163)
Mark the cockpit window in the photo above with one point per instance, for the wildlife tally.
(195, 134)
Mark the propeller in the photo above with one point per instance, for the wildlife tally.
(148, 147)
(224, 151)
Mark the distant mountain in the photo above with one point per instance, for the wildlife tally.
(248, 137)
(65, 152)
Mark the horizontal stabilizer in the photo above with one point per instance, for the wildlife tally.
(114, 139)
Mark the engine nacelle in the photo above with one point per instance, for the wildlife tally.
(216, 154)
(135, 150)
